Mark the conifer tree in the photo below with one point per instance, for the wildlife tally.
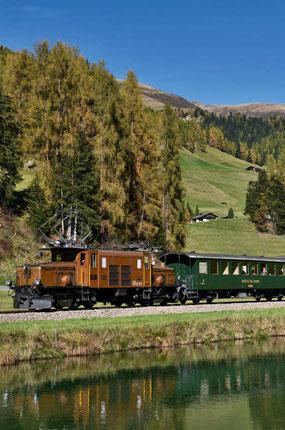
(238, 150)
(37, 206)
(189, 212)
(139, 146)
(261, 215)
(255, 189)
(173, 211)
(10, 153)
(108, 151)
(75, 183)
(18, 77)
(231, 213)
(216, 138)
(276, 205)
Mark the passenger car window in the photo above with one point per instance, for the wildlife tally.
(224, 268)
(203, 269)
(214, 267)
(235, 269)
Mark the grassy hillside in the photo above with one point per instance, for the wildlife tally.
(216, 181)
(17, 245)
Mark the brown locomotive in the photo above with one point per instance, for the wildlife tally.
(83, 276)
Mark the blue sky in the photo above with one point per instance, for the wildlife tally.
(215, 51)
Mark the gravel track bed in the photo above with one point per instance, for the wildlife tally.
(138, 311)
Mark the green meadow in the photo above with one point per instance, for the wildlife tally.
(216, 181)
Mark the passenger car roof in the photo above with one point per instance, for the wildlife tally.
(193, 255)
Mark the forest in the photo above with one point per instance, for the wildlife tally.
(250, 138)
(98, 149)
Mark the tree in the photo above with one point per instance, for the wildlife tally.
(231, 213)
(216, 138)
(18, 80)
(255, 189)
(75, 183)
(141, 161)
(173, 211)
(276, 205)
(10, 153)
(189, 212)
(261, 216)
(108, 151)
(37, 210)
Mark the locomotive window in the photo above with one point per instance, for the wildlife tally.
(104, 262)
(139, 263)
(114, 275)
(214, 267)
(146, 262)
(203, 269)
(93, 260)
(82, 258)
(125, 276)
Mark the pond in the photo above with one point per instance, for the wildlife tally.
(219, 386)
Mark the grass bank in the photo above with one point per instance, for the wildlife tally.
(26, 341)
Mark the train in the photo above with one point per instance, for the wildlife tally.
(80, 276)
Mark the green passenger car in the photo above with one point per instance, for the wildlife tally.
(210, 276)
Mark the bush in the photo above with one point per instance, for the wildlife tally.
(231, 214)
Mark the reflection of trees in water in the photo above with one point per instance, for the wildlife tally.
(147, 390)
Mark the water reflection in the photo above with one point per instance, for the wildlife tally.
(237, 385)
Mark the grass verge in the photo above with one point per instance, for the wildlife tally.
(34, 340)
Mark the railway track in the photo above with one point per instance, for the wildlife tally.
(111, 312)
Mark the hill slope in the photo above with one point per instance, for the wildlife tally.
(156, 99)
(210, 180)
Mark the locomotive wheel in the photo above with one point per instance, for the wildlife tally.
(130, 304)
(58, 306)
(163, 302)
(209, 300)
(74, 306)
(195, 301)
(269, 298)
(118, 303)
(88, 305)
(257, 298)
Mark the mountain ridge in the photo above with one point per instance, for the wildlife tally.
(156, 99)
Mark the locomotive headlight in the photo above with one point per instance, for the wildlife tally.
(37, 282)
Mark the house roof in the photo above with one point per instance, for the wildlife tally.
(203, 215)
(253, 167)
